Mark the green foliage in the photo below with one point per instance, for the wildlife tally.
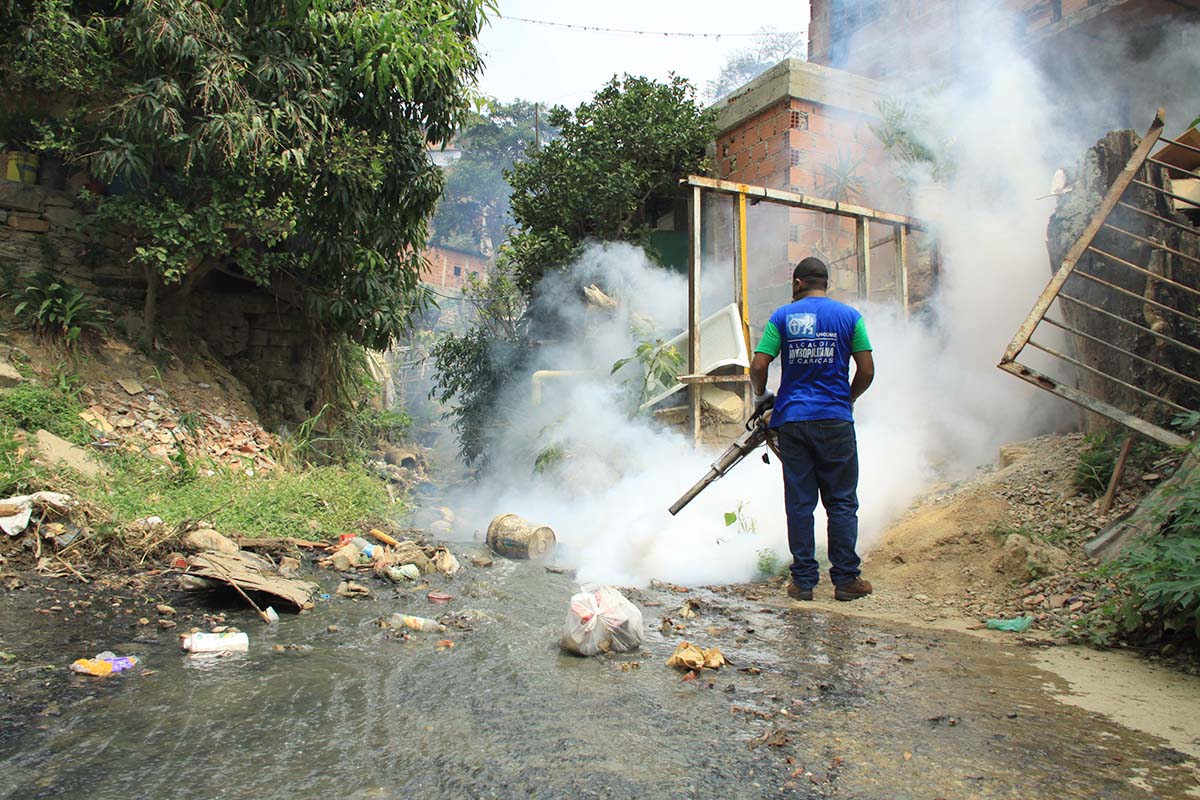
(740, 518)
(475, 203)
(839, 180)
(547, 458)
(58, 309)
(613, 170)
(611, 173)
(1095, 467)
(474, 368)
(660, 367)
(911, 138)
(771, 565)
(32, 406)
(279, 142)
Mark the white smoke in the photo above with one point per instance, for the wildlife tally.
(939, 406)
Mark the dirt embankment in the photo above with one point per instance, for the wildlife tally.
(1007, 543)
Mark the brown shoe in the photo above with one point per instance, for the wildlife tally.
(853, 590)
(796, 593)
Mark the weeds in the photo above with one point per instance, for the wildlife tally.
(1095, 467)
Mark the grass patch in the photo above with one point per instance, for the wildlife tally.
(321, 501)
(32, 406)
(1095, 466)
(317, 502)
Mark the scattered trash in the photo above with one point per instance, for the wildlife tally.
(481, 561)
(444, 561)
(228, 641)
(691, 657)
(444, 644)
(907, 657)
(439, 597)
(404, 572)
(271, 615)
(415, 623)
(165, 610)
(688, 609)
(1016, 625)
(105, 663)
(600, 619)
(352, 589)
(15, 512)
(513, 537)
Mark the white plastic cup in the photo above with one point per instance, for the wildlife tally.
(216, 642)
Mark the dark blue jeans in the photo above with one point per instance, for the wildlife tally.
(821, 457)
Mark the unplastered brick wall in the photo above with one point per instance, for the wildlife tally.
(810, 148)
(262, 337)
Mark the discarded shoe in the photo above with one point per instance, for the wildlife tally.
(853, 590)
(796, 593)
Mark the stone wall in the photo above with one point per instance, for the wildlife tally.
(262, 337)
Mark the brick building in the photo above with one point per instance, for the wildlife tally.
(805, 128)
(448, 267)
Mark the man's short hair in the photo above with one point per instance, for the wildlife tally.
(812, 271)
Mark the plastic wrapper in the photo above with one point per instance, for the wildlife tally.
(601, 620)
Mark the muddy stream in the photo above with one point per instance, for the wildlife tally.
(815, 704)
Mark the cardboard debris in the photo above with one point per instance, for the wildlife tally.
(252, 573)
(690, 657)
(130, 385)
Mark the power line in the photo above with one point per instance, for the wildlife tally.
(653, 33)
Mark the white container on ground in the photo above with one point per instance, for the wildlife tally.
(215, 642)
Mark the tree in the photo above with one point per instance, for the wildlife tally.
(748, 63)
(611, 173)
(474, 210)
(280, 142)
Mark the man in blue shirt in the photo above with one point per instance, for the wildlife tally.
(813, 417)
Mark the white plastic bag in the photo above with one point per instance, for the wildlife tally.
(600, 620)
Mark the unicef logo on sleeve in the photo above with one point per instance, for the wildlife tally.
(803, 326)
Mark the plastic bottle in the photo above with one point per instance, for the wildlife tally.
(363, 546)
(215, 642)
(417, 623)
(105, 663)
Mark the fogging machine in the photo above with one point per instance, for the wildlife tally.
(756, 434)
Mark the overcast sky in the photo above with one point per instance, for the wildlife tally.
(566, 66)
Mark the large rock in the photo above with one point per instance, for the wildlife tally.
(1024, 559)
(22, 196)
(57, 450)
(9, 377)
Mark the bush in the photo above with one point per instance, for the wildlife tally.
(57, 309)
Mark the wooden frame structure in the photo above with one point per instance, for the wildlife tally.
(1054, 291)
(863, 217)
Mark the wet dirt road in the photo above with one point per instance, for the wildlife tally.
(814, 705)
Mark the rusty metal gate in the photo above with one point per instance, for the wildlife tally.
(1165, 327)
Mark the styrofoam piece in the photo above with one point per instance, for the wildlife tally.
(722, 344)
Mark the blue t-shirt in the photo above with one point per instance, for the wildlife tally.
(815, 336)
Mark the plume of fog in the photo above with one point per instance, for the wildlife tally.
(938, 408)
